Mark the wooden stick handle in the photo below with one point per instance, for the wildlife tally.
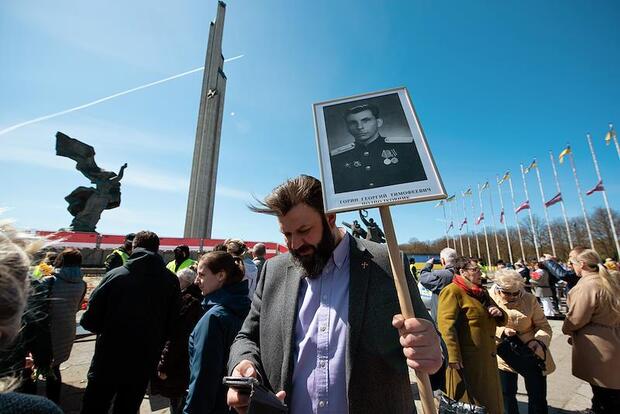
(404, 298)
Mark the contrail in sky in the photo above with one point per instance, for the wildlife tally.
(107, 98)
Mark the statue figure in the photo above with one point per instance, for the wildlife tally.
(87, 203)
(374, 231)
(356, 229)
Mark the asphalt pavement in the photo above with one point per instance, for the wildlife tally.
(565, 394)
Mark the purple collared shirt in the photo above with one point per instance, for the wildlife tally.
(319, 374)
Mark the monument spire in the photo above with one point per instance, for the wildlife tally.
(199, 217)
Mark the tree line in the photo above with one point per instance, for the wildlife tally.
(599, 226)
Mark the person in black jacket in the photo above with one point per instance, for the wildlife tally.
(172, 376)
(567, 275)
(226, 302)
(132, 311)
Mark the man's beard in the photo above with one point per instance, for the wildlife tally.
(312, 265)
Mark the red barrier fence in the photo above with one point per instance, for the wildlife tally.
(107, 241)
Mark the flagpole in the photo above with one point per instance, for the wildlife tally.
(456, 209)
(529, 211)
(473, 211)
(598, 174)
(615, 138)
(514, 209)
(493, 218)
(583, 206)
(466, 227)
(445, 220)
(452, 223)
(484, 228)
(542, 195)
(501, 203)
(557, 186)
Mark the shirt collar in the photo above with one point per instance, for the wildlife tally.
(341, 252)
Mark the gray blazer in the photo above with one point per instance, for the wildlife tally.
(377, 377)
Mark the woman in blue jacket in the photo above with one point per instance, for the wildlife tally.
(226, 304)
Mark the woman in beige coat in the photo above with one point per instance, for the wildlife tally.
(526, 320)
(593, 322)
(467, 318)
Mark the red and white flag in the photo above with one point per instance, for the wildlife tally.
(597, 187)
(523, 206)
(501, 216)
(463, 223)
(554, 200)
(479, 219)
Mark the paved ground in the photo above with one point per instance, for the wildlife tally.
(566, 394)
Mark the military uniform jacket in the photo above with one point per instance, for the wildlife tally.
(383, 162)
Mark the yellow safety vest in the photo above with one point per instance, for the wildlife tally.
(172, 265)
(124, 256)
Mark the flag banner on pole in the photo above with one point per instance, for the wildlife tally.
(467, 193)
(504, 178)
(564, 153)
(463, 223)
(451, 226)
(611, 134)
(485, 186)
(523, 206)
(531, 166)
(597, 187)
(439, 204)
(554, 200)
(479, 219)
(501, 216)
(451, 198)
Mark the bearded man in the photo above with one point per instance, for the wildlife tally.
(324, 330)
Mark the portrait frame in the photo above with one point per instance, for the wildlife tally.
(394, 189)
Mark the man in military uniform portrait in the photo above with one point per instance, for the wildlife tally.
(372, 160)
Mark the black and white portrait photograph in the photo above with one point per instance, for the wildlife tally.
(372, 143)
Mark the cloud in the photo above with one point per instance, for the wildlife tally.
(136, 176)
(235, 193)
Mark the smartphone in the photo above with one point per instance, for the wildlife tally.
(242, 384)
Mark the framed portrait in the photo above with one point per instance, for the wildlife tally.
(373, 152)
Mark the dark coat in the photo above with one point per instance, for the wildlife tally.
(556, 270)
(174, 361)
(33, 337)
(383, 162)
(376, 371)
(132, 311)
(209, 346)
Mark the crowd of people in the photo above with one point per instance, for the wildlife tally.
(319, 327)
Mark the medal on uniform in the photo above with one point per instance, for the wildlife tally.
(389, 156)
(357, 164)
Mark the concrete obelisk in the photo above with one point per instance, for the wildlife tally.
(199, 218)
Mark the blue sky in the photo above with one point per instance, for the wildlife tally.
(495, 84)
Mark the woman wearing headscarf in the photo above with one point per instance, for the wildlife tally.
(467, 319)
(526, 321)
(593, 323)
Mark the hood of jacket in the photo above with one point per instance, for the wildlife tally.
(233, 297)
(144, 262)
(70, 274)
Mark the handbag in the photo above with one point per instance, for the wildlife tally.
(520, 357)
(449, 406)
